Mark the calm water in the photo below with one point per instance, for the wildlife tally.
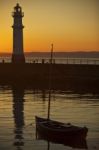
(18, 108)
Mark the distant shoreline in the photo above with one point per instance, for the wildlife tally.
(79, 54)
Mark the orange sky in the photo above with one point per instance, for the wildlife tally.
(72, 25)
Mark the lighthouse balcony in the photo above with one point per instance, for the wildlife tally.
(17, 14)
(17, 26)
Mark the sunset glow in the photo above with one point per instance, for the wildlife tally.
(72, 25)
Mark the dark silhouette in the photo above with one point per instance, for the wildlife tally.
(18, 55)
(64, 76)
(74, 143)
(3, 61)
(43, 61)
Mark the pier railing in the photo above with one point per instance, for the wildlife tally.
(88, 61)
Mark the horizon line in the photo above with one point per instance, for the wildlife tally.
(89, 51)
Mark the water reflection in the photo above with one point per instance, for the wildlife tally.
(74, 143)
(48, 145)
(18, 115)
(66, 106)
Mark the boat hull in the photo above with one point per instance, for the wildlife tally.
(59, 131)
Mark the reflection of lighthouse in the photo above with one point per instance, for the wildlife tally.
(18, 113)
(18, 54)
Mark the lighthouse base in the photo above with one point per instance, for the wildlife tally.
(18, 58)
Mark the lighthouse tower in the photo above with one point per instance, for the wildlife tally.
(18, 53)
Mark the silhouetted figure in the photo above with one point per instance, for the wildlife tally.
(3, 61)
(43, 61)
(18, 114)
(34, 61)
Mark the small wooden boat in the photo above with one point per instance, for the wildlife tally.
(59, 138)
(58, 130)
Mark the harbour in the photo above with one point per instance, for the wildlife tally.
(50, 102)
(19, 131)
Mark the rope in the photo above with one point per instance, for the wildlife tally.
(28, 125)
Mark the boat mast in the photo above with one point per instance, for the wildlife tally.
(50, 80)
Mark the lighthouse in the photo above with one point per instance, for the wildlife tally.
(18, 52)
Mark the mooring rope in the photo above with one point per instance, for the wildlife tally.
(30, 124)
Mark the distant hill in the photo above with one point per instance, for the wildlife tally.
(58, 54)
(65, 54)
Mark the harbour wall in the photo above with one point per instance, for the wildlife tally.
(62, 75)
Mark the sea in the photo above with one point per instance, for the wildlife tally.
(19, 106)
